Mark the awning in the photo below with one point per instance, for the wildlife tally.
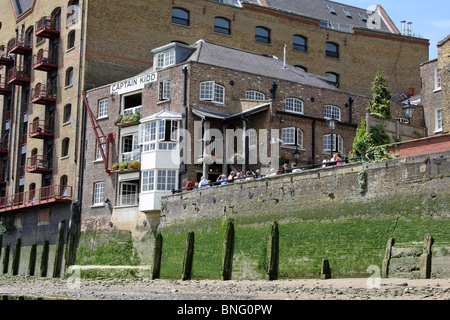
(222, 116)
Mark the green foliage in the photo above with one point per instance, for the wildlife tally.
(362, 181)
(372, 146)
(112, 253)
(380, 104)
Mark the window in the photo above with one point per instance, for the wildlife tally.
(69, 77)
(292, 136)
(165, 59)
(71, 40)
(148, 180)
(63, 186)
(130, 148)
(262, 35)
(67, 113)
(330, 144)
(164, 90)
(165, 130)
(438, 120)
(103, 108)
(210, 91)
(331, 50)
(180, 16)
(299, 43)
(222, 25)
(166, 180)
(254, 95)
(98, 151)
(437, 79)
(347, 13)
(294, 105)
(332, 78)
(99, 193)
(65, 147)
(128, 193)
(301, 68)
(332, 112)
(362, 16)
(331, 9)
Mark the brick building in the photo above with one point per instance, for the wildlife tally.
(207, 89)
(52, 50)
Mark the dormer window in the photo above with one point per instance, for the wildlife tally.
(165, 59)
(331, 9)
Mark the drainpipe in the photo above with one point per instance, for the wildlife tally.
(313, 138)
(185, 155)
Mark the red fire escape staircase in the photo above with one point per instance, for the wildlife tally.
(102, 140)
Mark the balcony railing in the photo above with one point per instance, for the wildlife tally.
(42, 94)
(130, 156)
(48, 27)
(19, 76)
(37, 197)
(20, 45)
(4, 87)
(41, 129)
(39, 164)
(45, 61)
(6, 58)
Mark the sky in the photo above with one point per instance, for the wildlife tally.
(430, 19)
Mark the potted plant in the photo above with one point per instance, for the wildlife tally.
(134, 165)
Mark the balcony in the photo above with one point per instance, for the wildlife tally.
(42, 94)
(6, 59)
(36, 198)
(4, 146)
(20, 45)
(39, 164)
(4, 87)
(45, 61)
(41, 129)
(19, 76)
(48, 27)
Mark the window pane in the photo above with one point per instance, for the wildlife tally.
(299, 43)
(161, 180)
(331, 50)
(103, 108)
(180, 16)
(294, 105)
(262, 35)
(99, 190)
(219, 94)
(221, 25)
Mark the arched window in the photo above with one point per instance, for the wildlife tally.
(299, 43)
(67, 113)
(63, 186)
(332, 112)
(332, 78)
(294, 105)
(180, 16)
(65, 147)
(222, 25)
(254, 95)
(69, 77)
(262, 34)
(301, 68)
(71, 40)
(331, 50)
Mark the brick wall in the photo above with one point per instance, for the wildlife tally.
(440, 143)
(444, 65)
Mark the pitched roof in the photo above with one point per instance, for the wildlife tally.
(332, 12)
(268, 66)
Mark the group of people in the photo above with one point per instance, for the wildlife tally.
(337, 160)
(241, 176)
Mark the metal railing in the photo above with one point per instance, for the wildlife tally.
(278, 172)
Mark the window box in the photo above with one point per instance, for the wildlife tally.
(128, 119)
(126, 166)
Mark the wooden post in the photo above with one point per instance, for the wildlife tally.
(6, 259)
(273, 251)
(228, 248)
(325, 273)
(44, 259)
(16, 258)
(387, 258)
(32, 261)
(157, 253)
(425, 258)
(188, 257)
(57, 265)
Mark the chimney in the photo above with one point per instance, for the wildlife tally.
(403, 27)
(409, 28)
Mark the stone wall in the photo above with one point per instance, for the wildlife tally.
(329, 186)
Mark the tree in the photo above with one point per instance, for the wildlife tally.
(380, 104)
